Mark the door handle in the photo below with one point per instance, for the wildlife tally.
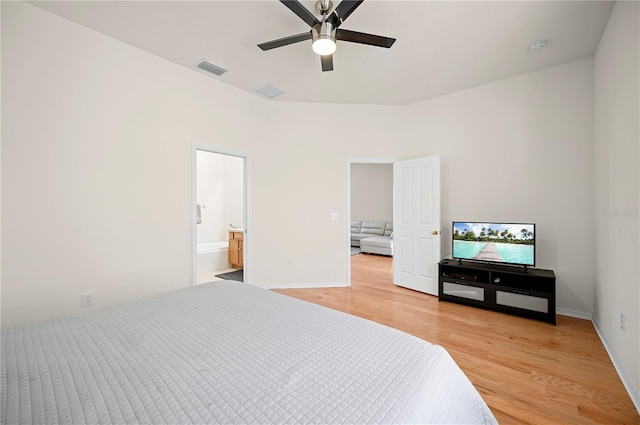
(435, 232)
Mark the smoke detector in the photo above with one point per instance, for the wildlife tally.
(537, 45)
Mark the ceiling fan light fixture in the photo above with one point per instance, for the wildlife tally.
(324, 46)
(326, 30)
(324, 39)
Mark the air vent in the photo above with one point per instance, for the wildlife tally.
(209, 67)
(270, 91)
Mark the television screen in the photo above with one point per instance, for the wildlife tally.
(512, 243)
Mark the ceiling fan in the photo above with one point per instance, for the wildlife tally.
(326, 31)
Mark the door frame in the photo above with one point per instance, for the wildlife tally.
(195, 147)
(351, 161)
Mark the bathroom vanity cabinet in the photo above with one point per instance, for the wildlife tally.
(236, 249)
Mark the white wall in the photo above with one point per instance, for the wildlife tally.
(304, 180)
(97, 161)
(617, 184)
(372, 192)
(520, 150)
(109, 208)
(96, 164)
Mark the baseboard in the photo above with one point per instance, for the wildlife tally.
(307, 285)
(626, 380)
(574, 313)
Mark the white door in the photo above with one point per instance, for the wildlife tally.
(416, 223)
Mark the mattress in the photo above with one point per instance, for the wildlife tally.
(227, 352)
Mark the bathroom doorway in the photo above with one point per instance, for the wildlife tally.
(219, 216)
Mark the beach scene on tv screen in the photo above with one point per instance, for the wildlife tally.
(496, 242)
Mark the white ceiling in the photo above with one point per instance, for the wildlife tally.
(442, 46)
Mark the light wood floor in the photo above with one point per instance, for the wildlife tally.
(526, 371)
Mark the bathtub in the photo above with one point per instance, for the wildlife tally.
(212, 256)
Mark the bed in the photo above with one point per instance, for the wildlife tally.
(228, 352)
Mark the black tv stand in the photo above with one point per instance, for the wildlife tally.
(527, 292)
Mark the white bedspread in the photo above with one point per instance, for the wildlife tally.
(227, 352)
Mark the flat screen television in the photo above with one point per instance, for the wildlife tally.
(510, 243)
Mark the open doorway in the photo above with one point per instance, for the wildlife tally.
(220, 212)
(415, 231)
(370, 212)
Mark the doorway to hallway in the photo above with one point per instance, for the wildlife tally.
(416, 221)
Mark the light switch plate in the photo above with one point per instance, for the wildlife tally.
(334, 216)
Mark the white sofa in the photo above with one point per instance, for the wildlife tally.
(373, 237)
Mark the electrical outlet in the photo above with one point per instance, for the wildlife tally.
(623, 319)
(87, 299)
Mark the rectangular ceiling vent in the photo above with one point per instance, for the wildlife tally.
(270, 91)
(209, 67)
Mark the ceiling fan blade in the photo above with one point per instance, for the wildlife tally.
(327, 62)
(285, 41)
(363, 38)
(342, 11)
(303, 13)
